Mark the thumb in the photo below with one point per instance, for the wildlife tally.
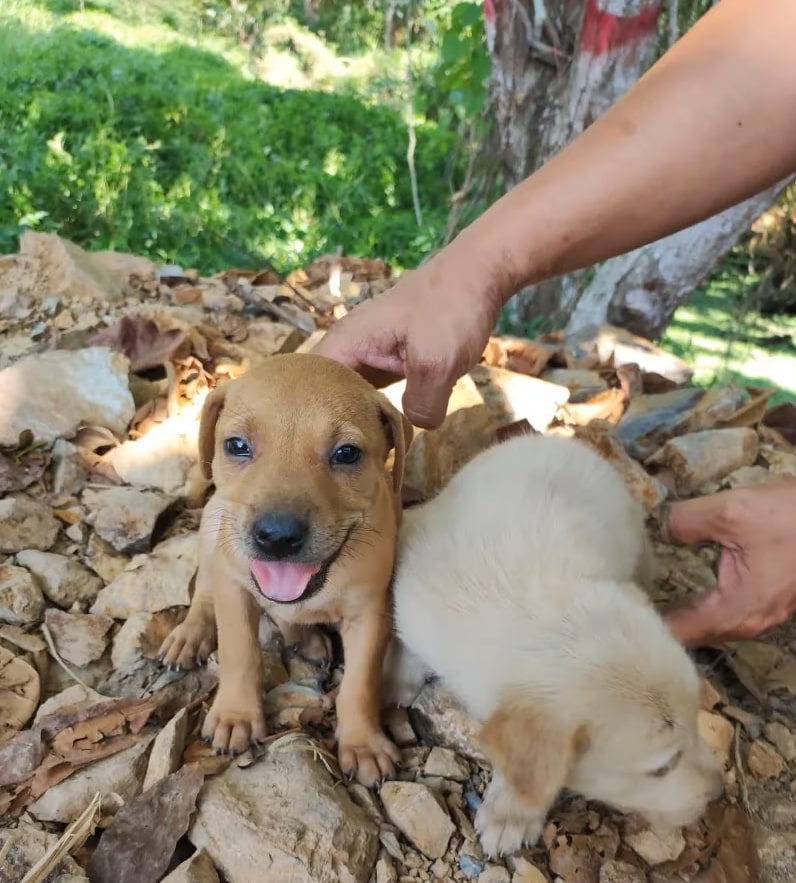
(426, 403)
(698, 520)
(699, 621)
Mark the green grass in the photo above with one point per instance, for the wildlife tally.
(727, 341)
(138, 131)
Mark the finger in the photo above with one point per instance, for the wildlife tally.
(702, 621)
(699, 520)
(429, 384)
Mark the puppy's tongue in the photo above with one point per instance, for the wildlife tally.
(281, 581)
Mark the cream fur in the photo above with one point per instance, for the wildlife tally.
(519, 586)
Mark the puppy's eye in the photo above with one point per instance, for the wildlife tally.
(238, 447)
(667, 767)
(346, 455)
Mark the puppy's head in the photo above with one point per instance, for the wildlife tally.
(616, 723)
(296, 448)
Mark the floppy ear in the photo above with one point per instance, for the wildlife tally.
(399, 437)
(207, 429)
(533, 751)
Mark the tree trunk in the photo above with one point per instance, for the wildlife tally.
(556, 66)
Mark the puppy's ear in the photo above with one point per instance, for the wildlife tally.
(211, 411)
(532, 749)
(399, 436)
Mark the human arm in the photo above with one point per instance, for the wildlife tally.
(709, 125)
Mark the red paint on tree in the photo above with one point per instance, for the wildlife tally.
(489, 11)
(603, 31)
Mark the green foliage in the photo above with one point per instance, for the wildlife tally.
(171, 151)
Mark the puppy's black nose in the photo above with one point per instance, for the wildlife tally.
(279, 534)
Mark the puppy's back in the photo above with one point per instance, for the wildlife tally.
(512, 541)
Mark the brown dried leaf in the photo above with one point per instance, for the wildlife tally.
(517, 354)
(141, 340)
(737, 859)
(19, 691)
(782, 418)
(139, 843)
(18, 473)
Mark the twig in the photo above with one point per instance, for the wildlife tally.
(8, 846)
(410, 125)
(56, 656)
(72, 838)
(741, 774)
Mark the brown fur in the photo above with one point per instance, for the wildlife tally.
(294, 410)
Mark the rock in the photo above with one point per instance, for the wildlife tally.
(121, 774)
(580, 383)
(198, 869)
(21, 600)
(656, 847)
(701, 457)
(763, 760)
(26, 524)
(103, 560)
(652, 419)
(749, 476)
(494, 874)
(125, 517)
(750, 722)
(717, 733)
(709, 696)
(63, 580)
(783, 738)
(70, 470)
(127, 655)
(385, 870)
(414, 810)
(284, 818)
(163, 458)
(780, 462)
(620, 347)
(152, 582)
(524, 871)
(24, 845)
(167, 749)
(444, 763)
(80, 638)
(72, 387)
(715, 407)
(512, 397)
(441, 720)
(77, 694)
(777, 851)
(615, 871)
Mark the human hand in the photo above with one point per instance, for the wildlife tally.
(756, 583)
(430, 328)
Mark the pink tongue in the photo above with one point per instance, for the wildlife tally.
(281, 581)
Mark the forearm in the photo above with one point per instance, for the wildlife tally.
(708, 126)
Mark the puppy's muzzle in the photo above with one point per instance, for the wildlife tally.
(279, 535)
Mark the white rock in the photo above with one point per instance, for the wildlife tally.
(152, 582)
(615, 871)
(445, 763)
(198, 869)
(70, 470)
(52, 393)
(29, 844)
(166, 755)
(656, 847)
(121, 774)
(385, 870)
(80, 638)
(63, 580)
(26, 524)
(284, 818)
(414, 810)
(125, 517)
(77, 694)
(783, 738)
(21, 600)
(162, 458)
(494, 874)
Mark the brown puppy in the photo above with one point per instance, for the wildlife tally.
(302, 524)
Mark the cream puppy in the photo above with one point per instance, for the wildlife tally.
(520, 586)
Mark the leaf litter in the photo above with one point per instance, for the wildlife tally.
(112, 494)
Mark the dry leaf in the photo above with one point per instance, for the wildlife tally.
(518, 354)
(19, 691)
(782, 418)
(141, 340)
(139, 843)
(764, 668)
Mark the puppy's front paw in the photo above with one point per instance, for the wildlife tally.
(189, 644)
(234, 726)
(504, 826)
(370, 757)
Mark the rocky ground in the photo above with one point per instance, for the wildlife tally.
(105, 361)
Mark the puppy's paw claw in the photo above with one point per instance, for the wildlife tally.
(232, 730)
(370, 759)
(188, 643)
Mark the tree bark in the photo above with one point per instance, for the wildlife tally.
(555, 68)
